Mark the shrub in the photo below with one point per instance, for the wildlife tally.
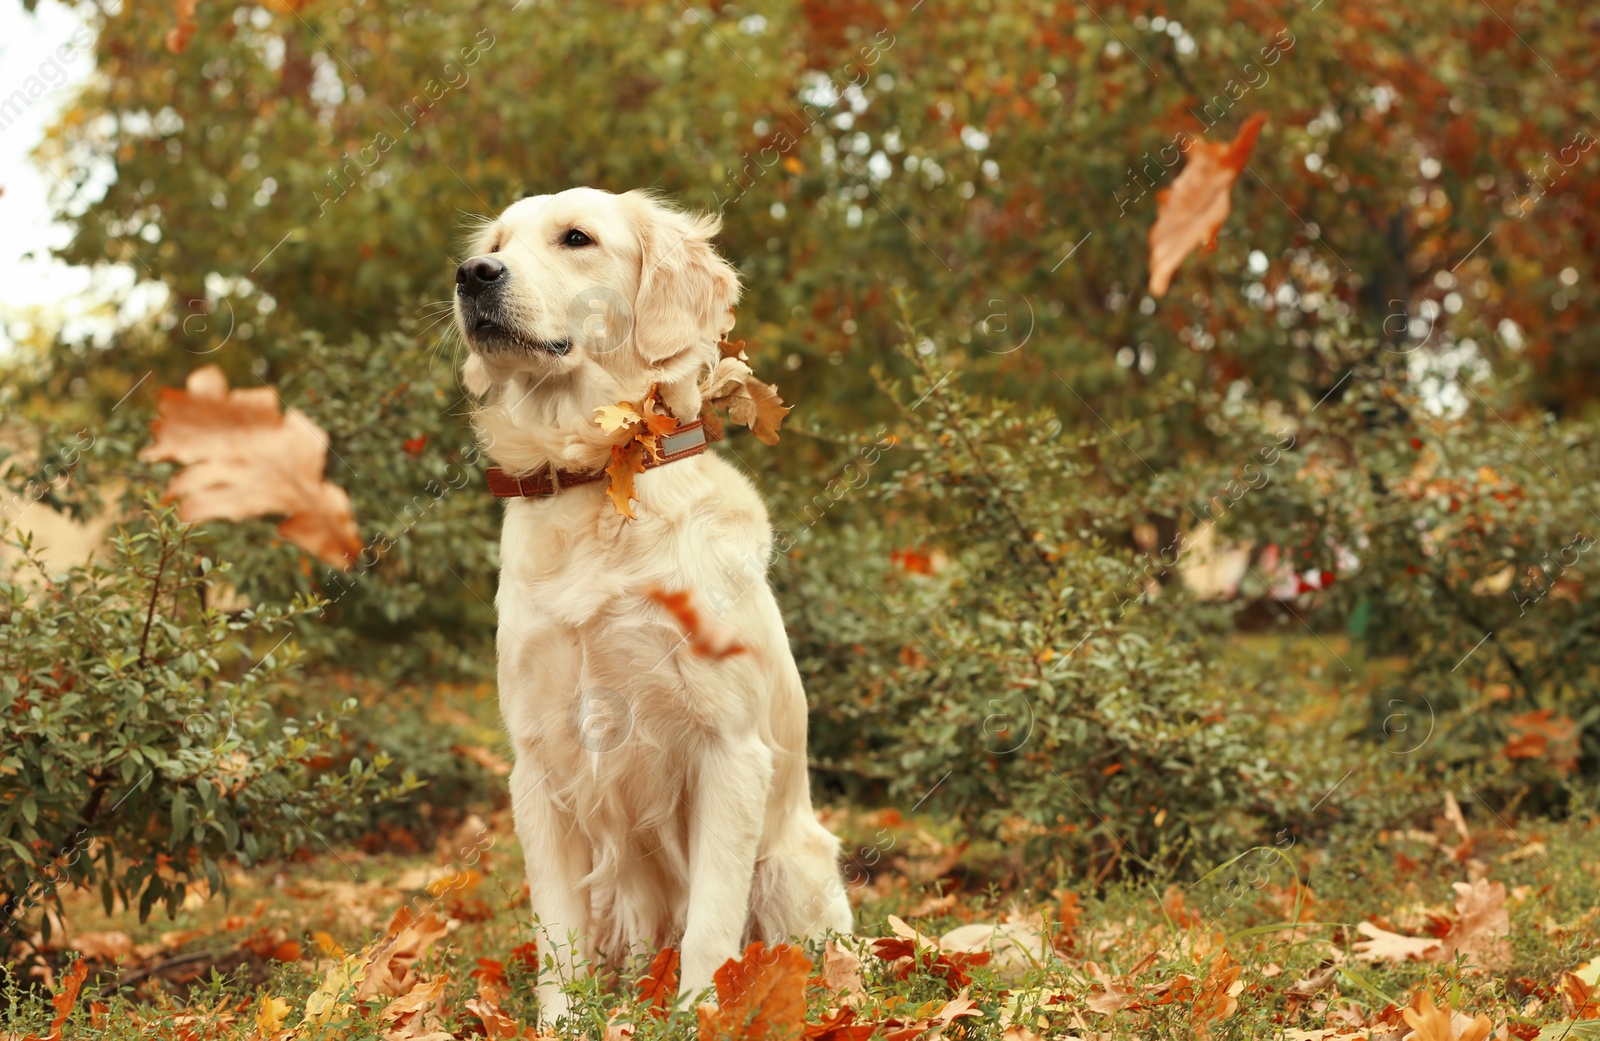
(141, 748)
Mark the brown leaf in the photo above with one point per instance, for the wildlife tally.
(65, 999)
(1383, 945)
(1218, 995)
(106, 946)
(1482, 927)
(1541, 734)
(1443, 1024)
(1582, 1000)
(759, 408)
(841, 973)
(389, 973)
(703, 640)
(627, 461)
(659, 985)
(759, 997)
(841, 1027)
(243, 458)
(1190, 213)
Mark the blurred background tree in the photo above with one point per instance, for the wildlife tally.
(941, 216)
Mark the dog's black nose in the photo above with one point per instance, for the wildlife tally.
(478, 274)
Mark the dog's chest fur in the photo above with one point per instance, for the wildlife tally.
(598, 686)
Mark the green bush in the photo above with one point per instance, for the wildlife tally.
(142, 750)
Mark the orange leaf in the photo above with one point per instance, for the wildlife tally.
(840, 1028)
(1541, 734)
(658, 986)
(66, 998)
(1190, 213)
(242, 458)
(761, 996)
(1441, 1024)
(705, 644)
(626, 462)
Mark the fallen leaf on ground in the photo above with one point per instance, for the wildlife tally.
(1383, 945)
(1482, 928)
(841, 973)
(760, 996)
(659, 985)
(243, 458)
(1189, 213)
(1443, 1024)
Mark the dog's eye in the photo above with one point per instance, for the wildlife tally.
(495, 248)
(576, 238)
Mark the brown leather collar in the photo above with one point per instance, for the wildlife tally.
(688, 440)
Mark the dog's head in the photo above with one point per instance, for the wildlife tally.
(589, 293)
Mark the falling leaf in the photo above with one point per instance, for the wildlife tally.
(841, 973)
(759, 997)
(413, 446)
(702, 641)
(1443, 1024)
(179, 35)
(659, 985)
(1189, 213)
(627, 461)
(243, 458)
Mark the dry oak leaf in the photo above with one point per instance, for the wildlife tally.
(419, 1014)
(627, 462)
(759, 997)
(389, 972)
(1383, 945)
(1482, 927)
(243, 458)
(704, 641)
(659, 985)
(1442, 1024)
(1582, 998)
(733, 388)
(841, 973)
(1189, 213)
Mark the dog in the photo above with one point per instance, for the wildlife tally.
(660, 792)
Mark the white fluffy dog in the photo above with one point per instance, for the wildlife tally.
(660, 792)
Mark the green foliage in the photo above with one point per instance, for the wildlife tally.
(142, 749)
(1408, 236)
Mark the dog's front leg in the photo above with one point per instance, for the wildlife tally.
(556, 862)
(728, 803)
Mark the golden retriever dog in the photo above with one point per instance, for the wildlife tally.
(660, 792)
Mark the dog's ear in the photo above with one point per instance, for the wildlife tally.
(475, 376)
(686, 289)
